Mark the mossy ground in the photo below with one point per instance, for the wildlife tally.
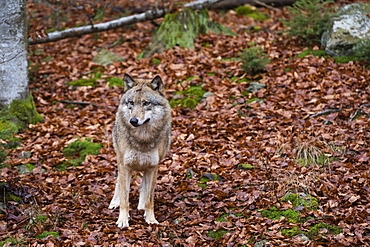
(78, 151)
(17, 115)
(46, 234)
(251, 12)
(300, 200)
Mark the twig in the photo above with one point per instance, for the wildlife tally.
(77, 103)
(330, 111)
(266, 5)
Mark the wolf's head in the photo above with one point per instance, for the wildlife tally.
(143, 102)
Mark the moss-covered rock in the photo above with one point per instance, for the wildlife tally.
(181, 29)
(17, 115)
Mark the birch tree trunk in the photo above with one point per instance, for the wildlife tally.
(13, 51)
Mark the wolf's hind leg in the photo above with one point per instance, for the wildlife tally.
(116, 199)
(146, 200)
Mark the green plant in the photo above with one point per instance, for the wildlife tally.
(309, 18)
(254, 60)
(188, 98)
(78, 150)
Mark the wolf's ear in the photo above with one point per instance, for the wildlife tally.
(129, 82)
(157, 83)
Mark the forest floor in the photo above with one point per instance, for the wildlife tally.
(233, 157)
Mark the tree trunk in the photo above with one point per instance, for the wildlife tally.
(13, 51)
(17, 108)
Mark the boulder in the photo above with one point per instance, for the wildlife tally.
(349, 26)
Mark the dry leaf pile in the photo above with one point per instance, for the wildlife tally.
(225, 130)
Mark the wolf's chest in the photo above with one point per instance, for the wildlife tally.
(138, 160)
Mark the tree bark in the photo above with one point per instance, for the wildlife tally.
(124, 21)
(13, 51)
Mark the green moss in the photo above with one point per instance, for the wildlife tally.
(155, 61)
(115, 81)
(345, 59)
(41, 218)
(91, 81)
(316, 53)
(315, 229)
(224, 216)
(84, 82)
(188, 98)
(274, 214)
(246, 166)
(46, 234)
(217, 234)
(25, 110)
(251, 12)
(78, 150)
(290, 232)
(17, 115)
(12, 197)
(13, 241)
(300, 200)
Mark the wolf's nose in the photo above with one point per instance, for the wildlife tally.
(134, 122)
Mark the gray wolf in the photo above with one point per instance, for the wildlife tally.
(141, 139)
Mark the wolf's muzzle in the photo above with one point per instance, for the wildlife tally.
(135, 122)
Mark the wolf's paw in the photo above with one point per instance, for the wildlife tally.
(114, 204)
(151, 221)
(122, 224)
(149, 217)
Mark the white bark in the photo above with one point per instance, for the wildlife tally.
(124, 21)
(13, 52)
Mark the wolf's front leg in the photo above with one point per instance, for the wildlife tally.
(124, 207)
(146, 200)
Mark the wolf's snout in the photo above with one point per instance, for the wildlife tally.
(134, 122)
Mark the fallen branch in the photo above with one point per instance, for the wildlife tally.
(124, 21)
(77, 102)
(330, 111)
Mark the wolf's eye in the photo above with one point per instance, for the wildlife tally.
(146, 103)
(130, 102)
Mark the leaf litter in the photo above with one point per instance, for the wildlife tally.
(215, 138)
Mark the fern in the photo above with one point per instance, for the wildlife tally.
(308, 19)
(254, 60)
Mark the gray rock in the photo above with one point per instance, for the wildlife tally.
(347, 29)
(255, 86)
